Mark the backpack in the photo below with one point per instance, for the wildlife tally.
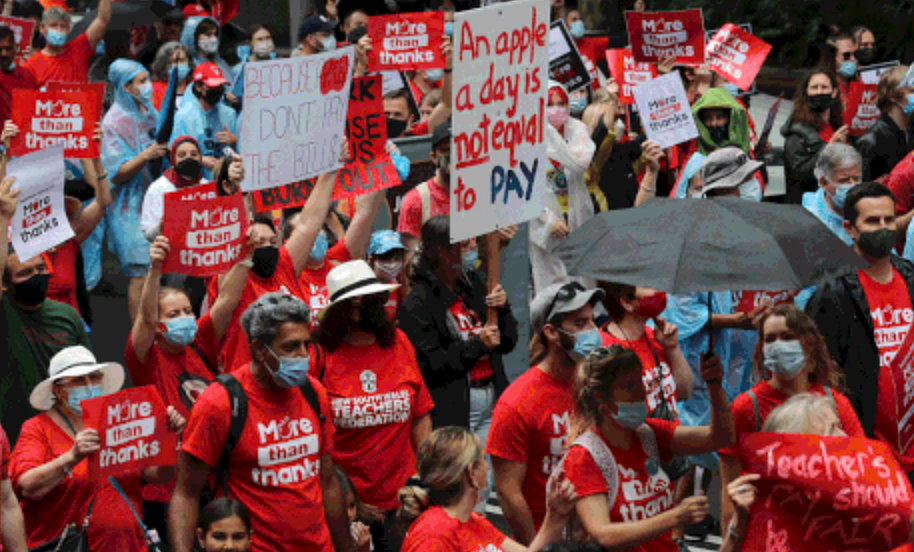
(425, 199)
(758, 418)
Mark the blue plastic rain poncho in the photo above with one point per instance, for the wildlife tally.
(815, 203)
(187, 37)
(129, 128)
(191, 120)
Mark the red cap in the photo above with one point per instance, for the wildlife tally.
(209, 74)
(192, 10)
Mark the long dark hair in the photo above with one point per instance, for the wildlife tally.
(336, 322)
(223, 508)
(802, 113)
(436, 237)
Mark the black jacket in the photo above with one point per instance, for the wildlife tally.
(842, 314)
(882, 147)
(802, 145)
(444, 357)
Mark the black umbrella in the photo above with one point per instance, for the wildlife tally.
(125, 15)
(724, 244)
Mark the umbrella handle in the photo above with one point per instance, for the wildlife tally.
(710, 327)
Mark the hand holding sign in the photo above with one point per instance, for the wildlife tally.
(9, 198)
(85, 443)
(176, 421)
(158, 252)
(742, 492)
(691, 510)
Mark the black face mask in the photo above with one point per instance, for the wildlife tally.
(395, 128)
(371, 312)
(719, 134)
(265, 260)
(189, 168)
(213, 95)
(444, 166)
(38, 40)
(33, 291)
(820, 103)
(866, 55)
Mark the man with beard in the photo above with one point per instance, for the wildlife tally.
(431, 198)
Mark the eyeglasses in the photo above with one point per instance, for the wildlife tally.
(565, 293)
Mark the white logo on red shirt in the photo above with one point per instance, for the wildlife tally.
(290, 443)
(644, 499)
(890, 326)
(369, 381)
(389, 408)
(557, 442)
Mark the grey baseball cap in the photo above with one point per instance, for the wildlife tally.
(560, 299)
(727, 168)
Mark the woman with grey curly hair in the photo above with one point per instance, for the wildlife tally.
(170, 55)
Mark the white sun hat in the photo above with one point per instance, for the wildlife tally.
(74, 362)
(353, 279)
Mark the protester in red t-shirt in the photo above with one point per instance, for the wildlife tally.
(437, 507)
(613, 432)
(281, 467)
(431, 198)
(387, 257)
(50, 467)
(66, 61)
(12, 75)
(12, 527)
(790, 358)
(527, 439)
(379, 400)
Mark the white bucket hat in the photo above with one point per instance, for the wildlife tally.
(353, 279)
(74, 362)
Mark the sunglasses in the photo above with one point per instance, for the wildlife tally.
(847, 56)
(565, 293)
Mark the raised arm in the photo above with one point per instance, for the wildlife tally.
(359, 233)
(143, 333)
(443, 110)
(690, 441)
(231, 287)
(9, 198)
(99, 26)
(310, 221)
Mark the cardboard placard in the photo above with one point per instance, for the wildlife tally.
(406, 41)
(908, 80)
(655, 36)
(206, 231)
(95, 88)
(861, 111)
(820, 494)
(294, 117)
(709, 34)
(48, 118)
(133, 428)
(40, 221)
(369, 168)
(665, 111)
(737, 55)
(628, 73)
(498, 149)
(22, 28)
(871, 73)
(565, 62)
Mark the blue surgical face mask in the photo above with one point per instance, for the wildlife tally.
(329, 43)
(183, 70)
(577, 29)
(292, 372)
(577, 106)
(469, 259)
(56, 38)
(145, 92)
(449, 28)
(785, 358)
(908, 109)
(732, 89)
(434, 75)
(76, 395)
(584, 342)
(319, 250)
(243, 51)
(848, 69)
(181, 331)
(841, 194)
(631, 415)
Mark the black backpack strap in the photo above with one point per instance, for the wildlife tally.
(758, 419)
(209, 366)
(310, 395)
(238, 403)
(318, 362)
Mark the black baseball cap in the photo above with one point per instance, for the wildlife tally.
(315, 24)
(441, 133)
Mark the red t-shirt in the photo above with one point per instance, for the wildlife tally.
(641, 496)
(890, 308)
(394, 300)
(826, 133)
(4, 455)
(658, 385)
(411, 210)
(529, 425)
(235, 352)
(62, 287)
(18, 78)
(901, 182)
(274, 469)
(437, 531)
(770, 398)
(112, 527)
(376, 394)
(469, 325)
(313, 283)
(71, 65)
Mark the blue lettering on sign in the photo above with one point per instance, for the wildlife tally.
(505, 180)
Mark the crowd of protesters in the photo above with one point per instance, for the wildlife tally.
(379, 356)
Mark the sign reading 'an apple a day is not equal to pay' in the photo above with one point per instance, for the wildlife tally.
(294, 117)
(656, 36)
(406, 41)
(498, 149)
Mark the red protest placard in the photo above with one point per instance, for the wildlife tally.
(750, 300)
(95, 88)
(48, 118)
(655, 36)
(22, 28)
(369, 167)
(206, 231)
(628, 73)
(819, 494)
(406, 41)
(861, 112)
(133, 428)
(737, 55)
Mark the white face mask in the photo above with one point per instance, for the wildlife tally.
(263, 48)
(209, 45)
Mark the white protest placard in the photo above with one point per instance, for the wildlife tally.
(294, 117)
(871, 73)
(40, 221)
(908, 80)
(665, 111)
(498, 150)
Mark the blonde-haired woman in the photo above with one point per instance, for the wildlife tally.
(626, 499)
(438, 506)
